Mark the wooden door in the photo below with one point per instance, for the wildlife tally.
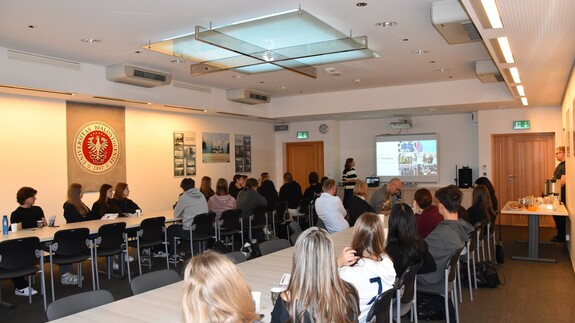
(521, 163)
(301, 158)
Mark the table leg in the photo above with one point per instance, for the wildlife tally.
(533, 242)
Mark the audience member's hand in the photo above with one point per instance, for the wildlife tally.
(347, 257)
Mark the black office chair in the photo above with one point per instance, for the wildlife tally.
(229, 225)
(281, 217)
(449, 284)
(78, 303)
(152, 233)
(406, 294)
(111, 240)
(18, 258)
(380, 310)
(68, 247)
(258, 221)
(203, 229)
(270, 246)
(153, 280)
(236, 257)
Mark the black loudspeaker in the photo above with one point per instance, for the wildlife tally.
(465, 177)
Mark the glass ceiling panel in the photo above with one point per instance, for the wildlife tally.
(293, 40)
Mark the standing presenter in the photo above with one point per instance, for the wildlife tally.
(348, 179)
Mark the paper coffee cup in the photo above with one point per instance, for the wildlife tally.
(257, 298)
(14, 227)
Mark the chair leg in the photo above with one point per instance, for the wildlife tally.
(95, 268)
(456, 307)
(42, 280)
(469, 276)
(458, 277)
(474, 273)
(79, 274)
(52, 277)
(139, 255)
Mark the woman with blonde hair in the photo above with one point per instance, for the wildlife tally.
(357, 203)
(315, 292)
(215, 291)
(367, 262)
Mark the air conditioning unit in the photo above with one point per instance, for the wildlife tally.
(452, 22)
(247, 96)
(401, 124)
(487, 72)
(134, 75)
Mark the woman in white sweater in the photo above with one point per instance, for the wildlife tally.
(365, 264)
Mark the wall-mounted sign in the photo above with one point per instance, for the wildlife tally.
(521, 124)
(302, 135)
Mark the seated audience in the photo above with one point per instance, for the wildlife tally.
(248, 199)
(357, 203)
(427, 215)
(191, 203)
(215, 291)
(206, 187)
(448, 236)
(268, 190)
(105, 204)
(235, 185)
(74, 209)
(290, 192)
(404, 245)
(387, 195)
(366, 261)
(329, 208)
(122, 201)
(481, 209)
(28, 214)
(315, 292)
(313, 191)
(221, 201)
(487, 183)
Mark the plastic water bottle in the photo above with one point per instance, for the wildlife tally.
(5, 224)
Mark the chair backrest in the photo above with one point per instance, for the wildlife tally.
(259, 214)
(304, 205)
(407, 282)
(320, 224)
(293, 238)
(111, 235)
(237, 257)
(452, 264)
(19, 253)
(77, 303)
(379, 311)
(71, 241)
(231, 219)
(153, 228)
(268, 247)
(153, 280)
(473, 235)
(204, 222)
(281, 210)
(295, 227)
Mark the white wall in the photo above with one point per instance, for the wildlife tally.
(33, 141)
(356, 138)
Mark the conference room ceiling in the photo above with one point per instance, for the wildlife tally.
(540, 32)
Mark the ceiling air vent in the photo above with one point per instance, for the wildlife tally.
(134, 75)
(487, 72)
(247, 96)
(452, 22)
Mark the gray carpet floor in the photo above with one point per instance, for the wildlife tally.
(532, 292)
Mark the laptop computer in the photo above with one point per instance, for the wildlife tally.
(372, 181)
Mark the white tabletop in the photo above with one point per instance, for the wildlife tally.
(164, 304)
(47, 233)
(542, 209)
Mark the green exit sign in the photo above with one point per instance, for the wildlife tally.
(521, 124)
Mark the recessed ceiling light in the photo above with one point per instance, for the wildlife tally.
(515, 74)
(524, 101)
(520, 90)
(442, 70)
(91, 40)
(283, 87)
(205, 110)
(492, 13)
(506, 49)
(420, 52)
(178, 61)
(385, 24)
(361, 4)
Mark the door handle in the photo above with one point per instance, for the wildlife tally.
(510, 177)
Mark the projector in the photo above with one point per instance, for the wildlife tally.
(403, 124)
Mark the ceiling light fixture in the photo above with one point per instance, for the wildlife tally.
(178, 61)
(263, 45)
(524, 101)
(91, 40)
(520, 90)
(506, 49)
(492, 12)
(515, 74)
(385, 24)
(420, 52)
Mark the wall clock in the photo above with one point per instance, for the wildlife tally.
(323, 128)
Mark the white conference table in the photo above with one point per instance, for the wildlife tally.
(47, 233)
(533, 239)
(164, 304)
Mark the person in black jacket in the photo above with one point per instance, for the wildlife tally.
(314, 189)
(122, 201)
(357, 203)
(268, 190)
(290, 192)
(104, 204)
